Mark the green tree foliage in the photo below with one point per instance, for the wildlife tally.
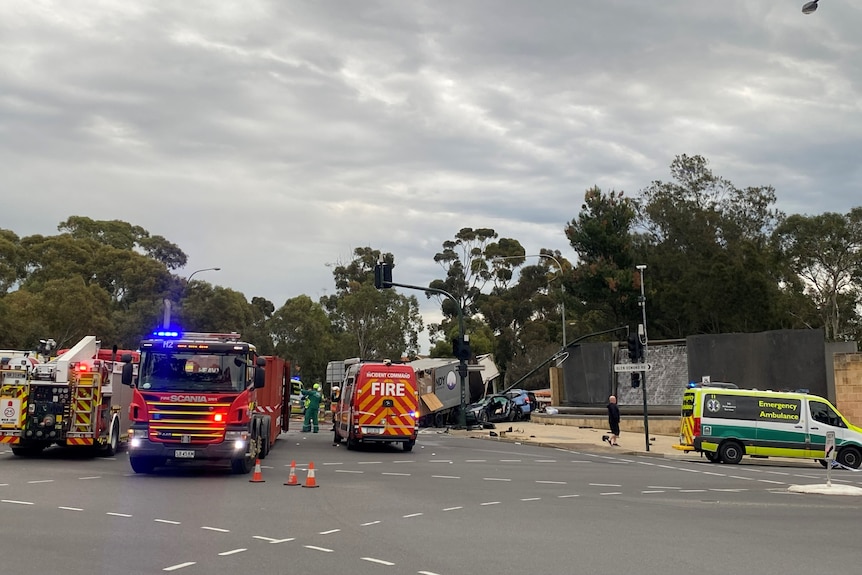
(708, 253)
(603, 283)
(303, 334)
(825, 253)
(371, 323)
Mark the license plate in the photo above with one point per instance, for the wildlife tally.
(373, 430)
(184, 454)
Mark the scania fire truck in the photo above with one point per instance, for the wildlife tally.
(204, 397)
(70, 401)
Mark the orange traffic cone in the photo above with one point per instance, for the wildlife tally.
(310, 481)
(291, 479)
(257, 476)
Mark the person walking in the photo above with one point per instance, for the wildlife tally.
(313, 398)
(333, 405)
(613, 420)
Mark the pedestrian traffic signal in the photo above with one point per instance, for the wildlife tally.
(636, 348)
(636, 379)
(382, 275)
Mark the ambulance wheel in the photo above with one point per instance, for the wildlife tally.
(850, 457)
(142, 464)
(711, 456)
(408, 446)
(731, 452)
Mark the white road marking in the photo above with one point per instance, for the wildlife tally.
(445, 477)
(692, 490)
(741, 477)
(232, 552)
(490, 503)
(315, 548)
(453, 508)
(495, 479)
(653, 491)
(369, 523)
(404, 461)
(475, 460)
(42, 481)
(16, 502)
(605, 485)
(777, 472)
(91, 477)
(545, 461)
(611, 493)
(398, 474)
(426, 573)
(411, 515)
(331, 531)
(168, 521)
(580, 461)
(715, 474)
(338, 463)
(567, 496)
(439, 461)
(368, 462)
(267, 467)
(347, 471)
(262, 538)
(531, 499)
(552, 482)
(111, 513)
(283, 540)
(179, 566)
(70, 508)
(218, 529)
(770, 481)
(380, 561)
(729, 490)
(510, 461)
(662, 487)
(4, 485)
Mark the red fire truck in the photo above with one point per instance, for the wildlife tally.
(379, 403)
(204, 397)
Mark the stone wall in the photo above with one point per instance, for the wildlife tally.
(848, 386)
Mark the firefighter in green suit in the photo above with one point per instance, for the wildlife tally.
(313, 398)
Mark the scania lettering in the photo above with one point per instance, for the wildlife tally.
(204, 397)
(726, 424)
(379, 403)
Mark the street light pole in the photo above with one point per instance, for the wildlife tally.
(642, 303)
(562, 286)
(166, 321)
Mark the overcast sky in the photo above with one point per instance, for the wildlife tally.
(270, 138)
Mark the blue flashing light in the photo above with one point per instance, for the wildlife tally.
(166, 333)
(295, 378)
(692, 384)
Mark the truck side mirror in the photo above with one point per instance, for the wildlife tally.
(259, 376)
(128, 370)
(261, 362)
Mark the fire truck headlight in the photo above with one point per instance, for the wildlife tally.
(239, 438)
(136, 437)
(135, 442)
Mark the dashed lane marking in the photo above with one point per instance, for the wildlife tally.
(545, 461)
(179, 566)
(70, 508)
(611, 493)
(453, 508)
(605, 485)
(271, 540)
(333, 463)
(316, 548)
(510, 461)
(661, 487)
(369, 523)
(348, 471)
(552, 482)
(653, 491)
(490, 503)
(475, 461)
(426, 573)
(404, 461)
(771, 481)
(396, 474)
(42, 481)
(232, 552)
(378, 561)
(567, 496)
(495, 479)
(531, 499)
(741, 477)
(112, 514)
(14, 502)
(445, 477)
(168, 521)
(409, 515)
(91, 477)
(217, 529)
(692, 490)
(330, 532)
(368, 462)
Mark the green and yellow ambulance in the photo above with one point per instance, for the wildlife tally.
(725, 424)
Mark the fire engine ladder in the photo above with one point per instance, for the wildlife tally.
(85, 400)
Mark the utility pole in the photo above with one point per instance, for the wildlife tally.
(642, 334)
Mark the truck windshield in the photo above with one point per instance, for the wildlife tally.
(189, 371)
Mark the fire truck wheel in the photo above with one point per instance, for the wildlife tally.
(408, 445)
(112, 446)
(142, 464)
(264, 436)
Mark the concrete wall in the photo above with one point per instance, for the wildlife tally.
(848, 386)
(665, 383)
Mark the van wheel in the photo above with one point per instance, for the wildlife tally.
(730, 452)
(850, 457)
(408, 446)
(823, 463)
(711, 456)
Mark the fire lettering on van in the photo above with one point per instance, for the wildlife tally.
(387, 388)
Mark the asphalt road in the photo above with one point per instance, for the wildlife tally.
(453, 505)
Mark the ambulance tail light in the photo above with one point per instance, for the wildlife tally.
(695, 431)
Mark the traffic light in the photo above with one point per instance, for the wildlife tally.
(382, 275)
(636, 348)
(461, 349)
(636, 379)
